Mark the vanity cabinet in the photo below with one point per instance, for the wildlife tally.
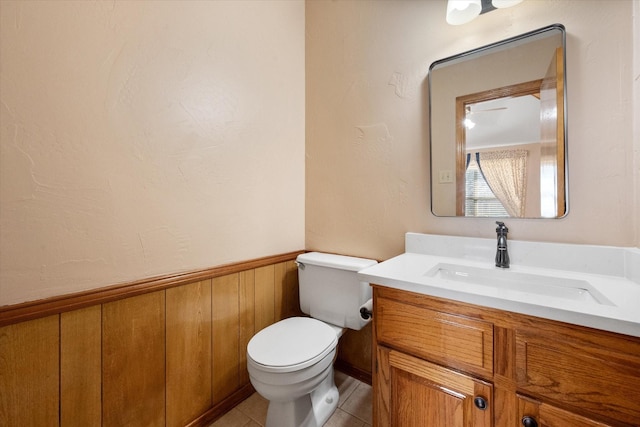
(442, 363)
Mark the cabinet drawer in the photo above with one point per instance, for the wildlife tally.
(551, 416)
(448, 339)
(599, 375)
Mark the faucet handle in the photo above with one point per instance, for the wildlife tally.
(501, 227)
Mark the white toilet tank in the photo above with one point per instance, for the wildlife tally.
(330, 289)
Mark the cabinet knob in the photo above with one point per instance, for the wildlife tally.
(480, 402)
(528, 421)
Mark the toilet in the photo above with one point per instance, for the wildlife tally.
(290, 363)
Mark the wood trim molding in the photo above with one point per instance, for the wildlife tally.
(217, 411)
(353, 371)
(15, 313)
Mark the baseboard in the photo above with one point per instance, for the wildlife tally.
(353, 371)
(218, 410)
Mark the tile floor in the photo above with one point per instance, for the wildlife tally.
(354, 407)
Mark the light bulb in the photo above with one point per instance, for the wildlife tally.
(469, 124)
(462, 11)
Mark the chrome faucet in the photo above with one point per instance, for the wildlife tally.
(502, 256)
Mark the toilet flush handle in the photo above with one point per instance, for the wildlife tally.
(300, 265)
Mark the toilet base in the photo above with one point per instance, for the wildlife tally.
(310, 410)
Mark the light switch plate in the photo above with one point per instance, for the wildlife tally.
(446, 176)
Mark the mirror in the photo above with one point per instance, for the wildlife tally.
(498, 129)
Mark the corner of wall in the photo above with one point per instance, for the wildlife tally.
(636, 118)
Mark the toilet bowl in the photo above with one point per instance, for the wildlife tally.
(290, 363)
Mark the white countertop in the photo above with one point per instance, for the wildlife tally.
(612, 272)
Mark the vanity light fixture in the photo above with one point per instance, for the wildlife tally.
(462, 11)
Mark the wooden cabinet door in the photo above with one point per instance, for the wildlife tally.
(414, 392)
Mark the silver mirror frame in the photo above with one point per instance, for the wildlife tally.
(471, 54)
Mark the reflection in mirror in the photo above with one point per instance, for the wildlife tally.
(498, 136)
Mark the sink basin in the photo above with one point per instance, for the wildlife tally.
(571, 289)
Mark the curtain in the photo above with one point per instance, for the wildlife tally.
(506, 174)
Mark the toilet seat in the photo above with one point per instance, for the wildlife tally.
(291, 344)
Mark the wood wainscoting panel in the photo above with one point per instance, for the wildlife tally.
(247, 300)
(29, 373)
(188, 352)
(226, 335)
(293, 289)
(264, 297)
(133, 339)
(354, 353)
(169, 350)
(81, 367)
(287, 299)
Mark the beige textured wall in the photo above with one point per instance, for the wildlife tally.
(367, 154)
(142, 138)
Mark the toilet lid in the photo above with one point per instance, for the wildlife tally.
(292, 341)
